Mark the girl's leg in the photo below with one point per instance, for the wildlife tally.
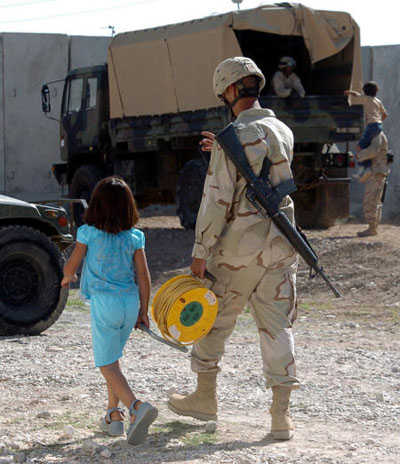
(113, 402)
(118, 386)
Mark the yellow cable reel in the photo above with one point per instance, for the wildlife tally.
(184, 310)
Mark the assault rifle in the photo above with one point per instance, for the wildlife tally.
(267, 198)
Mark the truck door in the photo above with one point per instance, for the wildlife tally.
(79, 130)
(71, 117)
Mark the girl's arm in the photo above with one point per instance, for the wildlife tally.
(144, 280)
(71, 266)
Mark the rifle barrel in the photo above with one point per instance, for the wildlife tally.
(329, 283)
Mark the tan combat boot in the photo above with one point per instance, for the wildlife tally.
(372, 230)
(281, 423)
(202, 403)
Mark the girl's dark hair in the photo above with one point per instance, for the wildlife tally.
(112, 207)
(371, 88)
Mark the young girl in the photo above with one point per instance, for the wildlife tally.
(113, 250)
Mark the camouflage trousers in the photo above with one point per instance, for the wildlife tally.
(271, 295)
(372, 202)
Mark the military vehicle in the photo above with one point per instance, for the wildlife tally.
(140, 115)
(32, 237)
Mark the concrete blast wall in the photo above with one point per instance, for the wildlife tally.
(29, 142)
(382, 64)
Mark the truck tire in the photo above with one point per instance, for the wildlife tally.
(83, 182)
(189, 191)
(31, 297)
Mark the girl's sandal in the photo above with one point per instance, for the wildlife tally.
(113, 428)
(144, 416)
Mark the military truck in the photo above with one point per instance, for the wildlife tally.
(140, 115)
(32, 238)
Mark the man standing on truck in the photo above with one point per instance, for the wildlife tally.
(377, 153)
(252, 261)
(285, 83)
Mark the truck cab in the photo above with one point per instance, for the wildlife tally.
(85, 111)
(83, 120)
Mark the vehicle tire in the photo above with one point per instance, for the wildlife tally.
(83, 182)
(189, 191)
(31, 297)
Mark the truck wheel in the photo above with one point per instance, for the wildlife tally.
(82, 185)
(189, 191)
(31, 297)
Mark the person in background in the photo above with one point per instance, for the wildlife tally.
(285, 82)
(114, 260)
(377, 154)
(374, 115)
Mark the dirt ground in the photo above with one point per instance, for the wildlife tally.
(364, 270)
(347, 410)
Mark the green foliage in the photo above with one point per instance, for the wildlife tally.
(195, 439)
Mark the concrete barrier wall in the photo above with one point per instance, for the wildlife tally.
(88, 51)
(382, 64)
(29, 142)
(386, 72)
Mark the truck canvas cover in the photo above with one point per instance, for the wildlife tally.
(169, 69)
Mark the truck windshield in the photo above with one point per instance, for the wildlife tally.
(73, 96)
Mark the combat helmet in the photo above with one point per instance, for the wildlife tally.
(286, 62)
(233, 70)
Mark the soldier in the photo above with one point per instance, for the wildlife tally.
(285, 83)
(252, 261)
(375, 113)
(375, 183)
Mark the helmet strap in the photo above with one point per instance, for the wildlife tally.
(229, 106)
(244, 92)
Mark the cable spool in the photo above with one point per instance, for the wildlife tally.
(184, 310)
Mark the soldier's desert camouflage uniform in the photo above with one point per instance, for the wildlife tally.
(374, 186)
(252, 261)
(283, 85)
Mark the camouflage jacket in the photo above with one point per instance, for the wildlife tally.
(282, 85)
(229, 229)
(377, 153)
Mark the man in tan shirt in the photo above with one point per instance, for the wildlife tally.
(376, 152)
(252, 261)
(374, 115)
(285, 83)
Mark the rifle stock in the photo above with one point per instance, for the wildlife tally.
(267, 199)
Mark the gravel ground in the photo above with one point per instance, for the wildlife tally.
(347, 411)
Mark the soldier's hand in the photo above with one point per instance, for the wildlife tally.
(206, 143)
(198, 267)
